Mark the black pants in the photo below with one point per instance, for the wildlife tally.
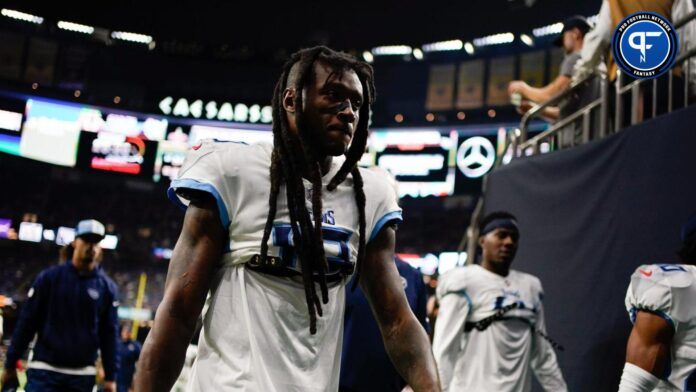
(39, 380)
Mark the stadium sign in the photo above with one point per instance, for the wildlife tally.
(224, 111)
(476, 156)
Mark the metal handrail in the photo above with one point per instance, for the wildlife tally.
(634, 87)
(688, 18)
(686, 56)
(535, 141)
(537, 109)
(584, 111)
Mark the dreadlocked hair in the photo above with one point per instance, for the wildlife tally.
(291, 155)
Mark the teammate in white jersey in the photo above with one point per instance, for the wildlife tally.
(661, 301)
(490, 327)
(274, 233)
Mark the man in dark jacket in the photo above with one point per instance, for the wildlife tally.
(365, 365)
(72, 308)
(129, 352)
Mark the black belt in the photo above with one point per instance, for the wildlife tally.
(276, 266)
(483, 324)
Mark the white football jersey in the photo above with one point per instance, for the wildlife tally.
(669, 290)
(503, 356)
(255, 333)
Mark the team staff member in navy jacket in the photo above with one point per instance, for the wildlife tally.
(72, 308)
(365, 365)
(129, 353)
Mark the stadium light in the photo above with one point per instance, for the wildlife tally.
(367, 55)
(76, 27)
(418, 54)
(469, 48)
(526, 39)
(391, 50)
(131, 37)
(21, 16)
(455, 44)
(495, 39)
(548, 30)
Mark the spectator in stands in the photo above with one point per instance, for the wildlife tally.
(571, 40)
(128, 352)
(72, 308)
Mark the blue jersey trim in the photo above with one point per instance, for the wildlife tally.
(200, 186)
(171, 195)
(388, 217)
(664, 315)
(468, 299)
(466, 296)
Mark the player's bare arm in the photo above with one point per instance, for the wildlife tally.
(649, 343)
(404, 338)
(192, 267)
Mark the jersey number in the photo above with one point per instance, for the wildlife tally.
(671, 267)
(500, 303)
(335, 244)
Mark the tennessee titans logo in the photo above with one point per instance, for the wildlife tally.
(94, 294)
(645, 45)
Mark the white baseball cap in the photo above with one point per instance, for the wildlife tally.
(90, 229)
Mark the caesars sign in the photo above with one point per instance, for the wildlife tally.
(211, 110)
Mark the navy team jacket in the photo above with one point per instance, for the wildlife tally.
(74, 316)
(365, 365)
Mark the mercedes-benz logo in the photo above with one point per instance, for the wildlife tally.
(476, 156)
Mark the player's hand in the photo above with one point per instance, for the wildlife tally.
(110, 386)
(516, 86)
(9, 378)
